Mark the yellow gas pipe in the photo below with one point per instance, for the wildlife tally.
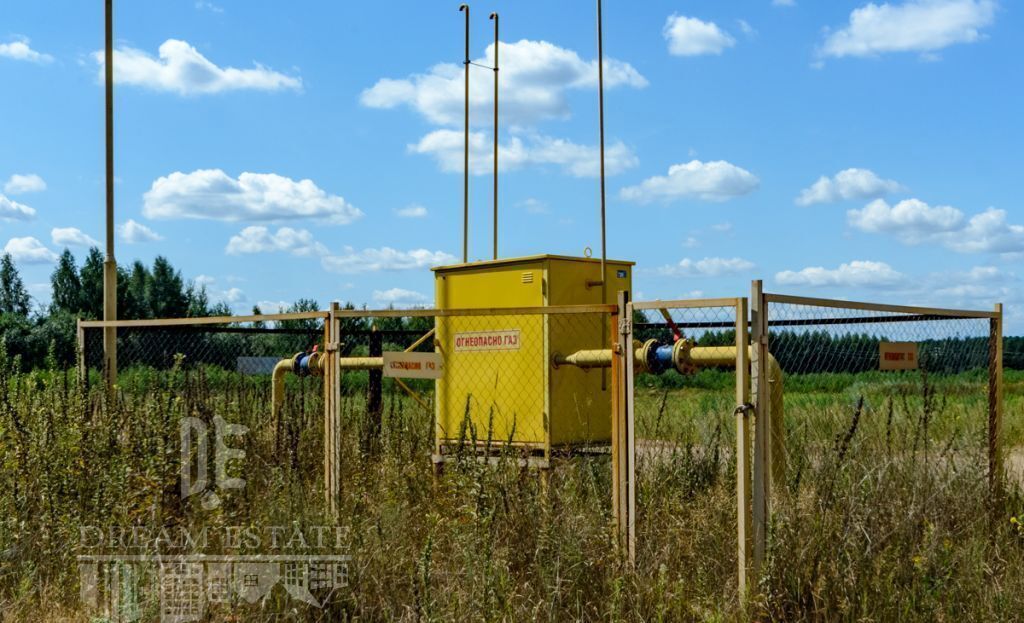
(313, 367)
(687, 358)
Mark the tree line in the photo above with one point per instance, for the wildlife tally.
(45, 335)
(42, 335)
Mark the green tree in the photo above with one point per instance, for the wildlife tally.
(256, 311)
(165, 292)
(198, 301)
(91, 278)
(14, 298)
(66, 285)
(132, 294)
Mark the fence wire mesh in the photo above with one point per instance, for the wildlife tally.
(858, 436)
(685, 438)
(505, 384)
(229, 364)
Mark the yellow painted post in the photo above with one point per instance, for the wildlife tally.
(110, 331)
(744, 535)
(995, 409)
(331, 405)
(761, 486)
(83, 374)
(622, 469)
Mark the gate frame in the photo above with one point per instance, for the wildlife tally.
(748, 486)
(995, 360)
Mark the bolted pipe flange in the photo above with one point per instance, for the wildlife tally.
(681, 357)
(307, 364)
(645, 356)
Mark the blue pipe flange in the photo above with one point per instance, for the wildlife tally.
(649, 356)
(301, 366)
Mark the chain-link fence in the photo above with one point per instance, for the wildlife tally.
(534, 380)
(874, 377)
(828, 384)
(230, 361)
(884, 417)
(691, 370)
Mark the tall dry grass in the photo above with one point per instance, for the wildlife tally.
(883, 517)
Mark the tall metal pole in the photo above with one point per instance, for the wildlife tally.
(600, 113)
(465, 156)
(494, 16)
(110, 264)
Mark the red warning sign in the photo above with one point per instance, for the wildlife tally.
(507, 339)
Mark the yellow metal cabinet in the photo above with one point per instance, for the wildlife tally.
(498, 381)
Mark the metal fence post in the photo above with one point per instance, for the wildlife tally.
(374, 392)
(744, 535)
(332, 404)
(623, 500)
(83, 373)
(761, 489)
(995, 408)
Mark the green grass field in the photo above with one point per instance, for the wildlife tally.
(883, 517)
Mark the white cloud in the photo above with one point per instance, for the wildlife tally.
(232, 295)
(966, 289)
(706, 181)
(259, 239)
(689, 36)
(533, 205)
(412, 211)
(858, 273)
(399, 297)
(372, 260)
(707, 267)
(988, 232)
(924, 26)
(20, 50)
(212, 194)
(722, 227)
(273, 307)
(446, 147)
(783, 2)
(28, 250)
(181, 69)
(203, 5)
(20, 184)
(11, 210)
(72, 237)
(912, 220)
(915, 222)
(535, 79)
(134, 232)
(846, 185)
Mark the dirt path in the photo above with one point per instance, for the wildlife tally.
(1015, 465)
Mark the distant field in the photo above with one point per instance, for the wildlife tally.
(883, 516)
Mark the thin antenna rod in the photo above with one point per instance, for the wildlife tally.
(600, 99)
(465, 155)
(494, 16)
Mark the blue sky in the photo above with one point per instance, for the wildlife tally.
(282, 150)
